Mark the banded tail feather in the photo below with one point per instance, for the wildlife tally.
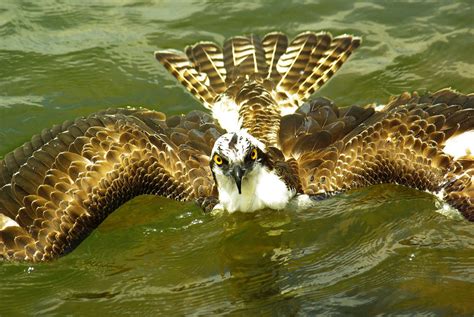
(196, 82)
(326, 62)
(208, 59)
(275, 45)
(244, 56)
(292, 71)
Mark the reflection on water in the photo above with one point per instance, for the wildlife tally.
(377, 250)
(254, 258)
(380, 250)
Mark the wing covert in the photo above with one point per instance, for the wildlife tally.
(403, 144)
(65, 182)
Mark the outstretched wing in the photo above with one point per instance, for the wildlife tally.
(55, 189)
(407, 143)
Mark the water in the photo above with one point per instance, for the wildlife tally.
(384, 249)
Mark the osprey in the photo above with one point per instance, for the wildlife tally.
(264, 145)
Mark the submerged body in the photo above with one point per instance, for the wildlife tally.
(264, 146)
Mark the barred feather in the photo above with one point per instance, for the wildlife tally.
(326, 63)
(291, 72)
(310, 61)
(244, 56)
(197, 83)
(275, 45)
(292, 64)
(209, 59)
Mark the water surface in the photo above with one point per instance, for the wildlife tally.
(384, 249)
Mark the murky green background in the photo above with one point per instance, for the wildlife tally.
(380, 250)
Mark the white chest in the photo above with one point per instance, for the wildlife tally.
(260, 189)
(226, 112)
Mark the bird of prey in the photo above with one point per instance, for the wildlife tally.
(262, 144)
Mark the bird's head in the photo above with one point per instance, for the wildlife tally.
(235, 156)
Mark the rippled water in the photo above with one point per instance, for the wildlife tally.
(380, 250)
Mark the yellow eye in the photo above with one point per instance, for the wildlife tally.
(218, 159)
(253, 155)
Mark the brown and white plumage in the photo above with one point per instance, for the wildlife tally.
(251, 80)
(65, 181)
(296, 69)
(59, 186)
(340, 149)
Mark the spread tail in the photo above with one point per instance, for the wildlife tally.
(293, 70)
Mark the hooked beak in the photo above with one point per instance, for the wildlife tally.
(238, 173)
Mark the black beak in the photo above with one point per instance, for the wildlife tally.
(237, 173)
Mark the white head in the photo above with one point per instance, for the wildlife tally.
(235, 155)
(245, 175)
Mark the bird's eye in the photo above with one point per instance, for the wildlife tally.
(253, 154)
(218, 160)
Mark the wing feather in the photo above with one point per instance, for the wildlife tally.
(403, 144)
(94, 165)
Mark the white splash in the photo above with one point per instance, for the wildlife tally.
(448, 211)
(460, 145)
(7, 222)
(379, 108)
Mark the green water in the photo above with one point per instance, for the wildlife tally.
(384, 249)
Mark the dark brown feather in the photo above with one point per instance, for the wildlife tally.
(209, 59)
(274, 45)
(403, 144)
(120, 154)
(285, 75)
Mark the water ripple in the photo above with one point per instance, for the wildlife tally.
(381, 250)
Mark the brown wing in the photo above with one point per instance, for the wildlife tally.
(318, 124)
(340, 149)
(65, 182)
